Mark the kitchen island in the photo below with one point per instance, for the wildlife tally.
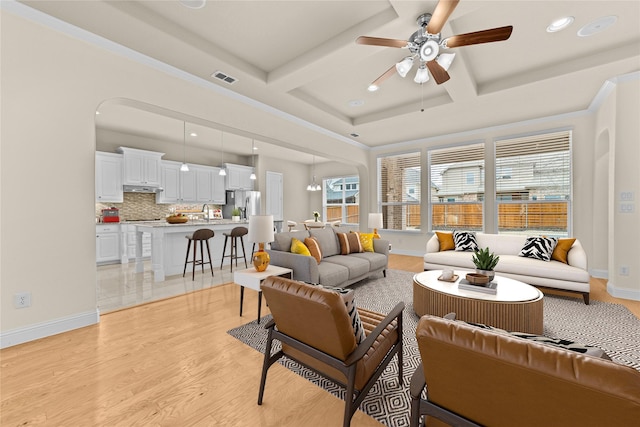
(169, 245)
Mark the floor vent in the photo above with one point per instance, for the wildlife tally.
(225, 78)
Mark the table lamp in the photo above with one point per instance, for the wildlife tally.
(375, 222)
(261, 232)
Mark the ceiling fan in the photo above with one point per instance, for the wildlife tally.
(426, 45)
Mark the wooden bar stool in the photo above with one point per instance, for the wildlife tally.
(201, 235)
(235, 234)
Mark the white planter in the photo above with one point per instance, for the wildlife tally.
(235, 218)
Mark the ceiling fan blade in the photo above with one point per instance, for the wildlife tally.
(377, 82)
(439, 74)
(478, 37)
(378, 41)
(440, 15)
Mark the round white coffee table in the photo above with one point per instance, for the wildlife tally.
(516, 306)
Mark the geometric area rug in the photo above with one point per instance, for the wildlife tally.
(611, 327)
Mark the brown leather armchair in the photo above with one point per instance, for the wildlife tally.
(477, 377)
(315, 330)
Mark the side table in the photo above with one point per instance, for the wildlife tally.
(250, 278)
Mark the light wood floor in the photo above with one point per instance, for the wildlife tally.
(170, 363)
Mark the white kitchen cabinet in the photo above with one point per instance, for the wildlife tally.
(108, 178)
(141, 167)
(130, 242)
(178, 186)
(204, 183)
(218, 195)
(238, 177)
(107, 243)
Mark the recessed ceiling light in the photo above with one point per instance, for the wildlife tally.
(193, 134)
(194, 4)
(560, 24)
(356, 103)
(373, 88)
(598, 25)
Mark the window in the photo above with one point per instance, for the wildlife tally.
(340, 199)
(533, 184)
(399, 191)
(456, 187)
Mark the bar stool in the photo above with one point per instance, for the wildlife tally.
(235, 234)
(201, 235)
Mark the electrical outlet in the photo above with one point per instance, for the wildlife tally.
(624, 270)
(22, 300)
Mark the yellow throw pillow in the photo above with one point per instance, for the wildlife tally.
(561, 251)
(297, 247)
(366, 240)
(314, 248)
(446, 241)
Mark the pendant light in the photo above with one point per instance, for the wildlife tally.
(313, 186)
(253, 163)
(184, 167)
(222, 172)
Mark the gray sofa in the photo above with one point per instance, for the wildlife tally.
(334, 269)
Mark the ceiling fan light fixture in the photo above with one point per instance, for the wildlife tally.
(404, 66)
(560, 24)
(422, 75)
(445, 60)
(429, 50)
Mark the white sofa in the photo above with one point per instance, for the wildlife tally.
(572, 276)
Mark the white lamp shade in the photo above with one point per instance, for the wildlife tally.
(422, 75)
(404, 66)
(375, 220)
(261, 229)
(445, 60)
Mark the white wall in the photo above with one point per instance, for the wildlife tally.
(51, 86)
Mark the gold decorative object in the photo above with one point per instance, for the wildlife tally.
(261, 258)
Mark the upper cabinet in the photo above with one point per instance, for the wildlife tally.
(141, 167)
(108, 178)
(201, 184)
(238, 177)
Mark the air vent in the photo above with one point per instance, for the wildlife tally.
(225, 78)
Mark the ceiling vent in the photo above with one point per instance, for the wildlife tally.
(225, 78)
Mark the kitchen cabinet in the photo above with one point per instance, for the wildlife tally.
(108, 178)
(178, 186)
(238, 177)
(202, 184)
(218, 195)
(141, 167)
(107, 243)
(130, 242)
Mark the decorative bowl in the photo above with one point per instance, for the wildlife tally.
(477, 279)
(177, 219)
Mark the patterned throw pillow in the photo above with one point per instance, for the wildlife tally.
(297, 247)
(349, 243)
(539, 248)
(555, 342)
(314, 248)
(465, 241)
(561, 250)
(366, 240)
(348, 296)
(446, 241)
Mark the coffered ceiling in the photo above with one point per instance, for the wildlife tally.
(300, 57)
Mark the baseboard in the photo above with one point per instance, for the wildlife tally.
(622, 293)
(395, 251)
(600, 274)
(45, 329)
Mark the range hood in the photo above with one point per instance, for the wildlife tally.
(141, 189)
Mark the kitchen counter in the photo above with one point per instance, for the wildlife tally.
(169, 245)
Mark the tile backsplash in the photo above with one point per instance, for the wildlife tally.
(138, 206)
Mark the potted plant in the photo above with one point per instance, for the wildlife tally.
(235, 214)
(485, 261)
(316, 214)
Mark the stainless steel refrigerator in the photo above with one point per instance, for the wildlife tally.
(248, 202)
